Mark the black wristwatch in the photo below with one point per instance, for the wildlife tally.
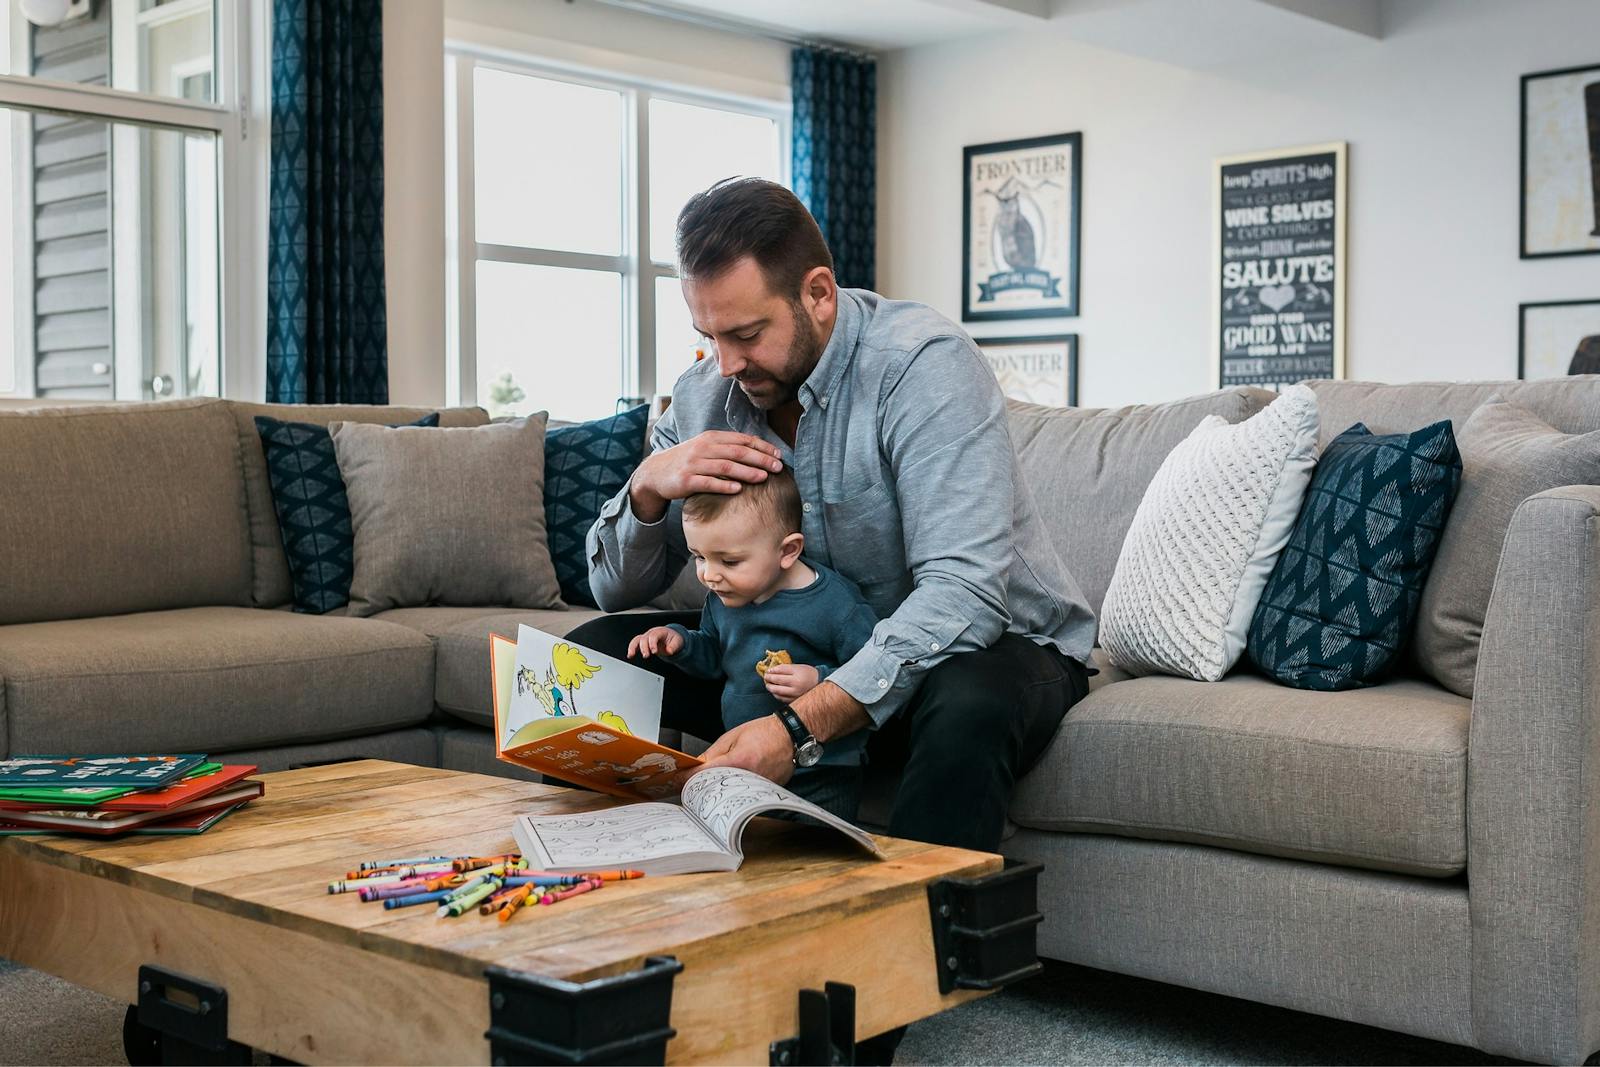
(807, 749)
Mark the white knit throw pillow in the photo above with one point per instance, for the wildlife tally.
(1205, 538)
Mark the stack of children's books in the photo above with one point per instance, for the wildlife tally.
(116, 794)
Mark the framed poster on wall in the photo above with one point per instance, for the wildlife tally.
(1019, 228)
(1557, 338)
(1036, 370)
(1561, 162)
(1279, 261)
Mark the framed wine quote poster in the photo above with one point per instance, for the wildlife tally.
(1279, 266)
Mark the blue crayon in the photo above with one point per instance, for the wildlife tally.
(416, 898)
(543, 880)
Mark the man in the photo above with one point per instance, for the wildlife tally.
(896, 432)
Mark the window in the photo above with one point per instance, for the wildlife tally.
(565, 191)
(134, 198)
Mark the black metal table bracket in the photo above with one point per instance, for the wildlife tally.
(179, 1020)
(620, 1019)
(827, 1034)
(985, 929)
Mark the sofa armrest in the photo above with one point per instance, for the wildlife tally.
(1533, 788)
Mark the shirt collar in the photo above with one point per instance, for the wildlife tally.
(837, 356)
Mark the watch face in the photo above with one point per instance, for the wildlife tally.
(808, 754)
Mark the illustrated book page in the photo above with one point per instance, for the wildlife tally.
(602, 754)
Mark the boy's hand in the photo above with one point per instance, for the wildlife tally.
(791, 681)
(658, 640)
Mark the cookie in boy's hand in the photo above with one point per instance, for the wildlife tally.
(773, 659)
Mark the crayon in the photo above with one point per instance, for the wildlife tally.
(613, 876)
(520, 899)
(414, 861)
(349, 885)
(587, 886)
(467, 863)
(415, 885)
(470, 889)
(462, 905)
(415, 898)
(398, 872)
(543, 879)
(497, 899)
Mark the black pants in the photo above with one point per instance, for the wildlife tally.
(978, 722)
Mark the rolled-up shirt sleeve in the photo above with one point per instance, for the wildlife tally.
(944, 434)
(631, 561)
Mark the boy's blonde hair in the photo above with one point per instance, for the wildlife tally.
(776, 500)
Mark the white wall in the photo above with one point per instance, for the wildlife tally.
(1431, 115)
(413, 198)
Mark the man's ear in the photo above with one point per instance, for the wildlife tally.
(819, 295)
(790, 549)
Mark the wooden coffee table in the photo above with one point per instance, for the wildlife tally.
(230, 940)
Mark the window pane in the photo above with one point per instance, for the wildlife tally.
(111, 239)
(162, 47)
(549, 339)
(547, 163)
(677, 341)
(693, 146)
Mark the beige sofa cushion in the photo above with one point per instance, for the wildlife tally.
(1571, 405)
(271, 586)
(1507, 455)
(1088, 469)
(447, 516)
(1364, 778)
(209, 680)
(108, 509)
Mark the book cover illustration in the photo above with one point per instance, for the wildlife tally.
(566, 725)
(138, 772)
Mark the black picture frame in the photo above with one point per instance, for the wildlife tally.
(1593, 122)
(1522, 330)
(1069, 397)
(1058, 305)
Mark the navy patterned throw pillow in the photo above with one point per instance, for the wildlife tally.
(1340, 603)
(584, 466)
(313, 512)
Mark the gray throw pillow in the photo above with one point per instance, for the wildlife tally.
(447, 516)
(1507, 455)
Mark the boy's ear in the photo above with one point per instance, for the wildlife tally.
(790, 549)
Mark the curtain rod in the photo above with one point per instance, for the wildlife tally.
(727, 25)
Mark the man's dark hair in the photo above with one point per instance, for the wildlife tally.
(740, 217)
(776, 500)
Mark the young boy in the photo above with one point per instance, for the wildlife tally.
(766, 600)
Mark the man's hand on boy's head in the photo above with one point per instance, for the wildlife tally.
(717, 461)
(658, 640)
(791, 681)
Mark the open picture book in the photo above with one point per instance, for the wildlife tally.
(701, 832)
(582, 716)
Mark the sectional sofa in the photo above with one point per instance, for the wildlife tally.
(1303, 849)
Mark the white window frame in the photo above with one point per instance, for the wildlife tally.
(240, 122)
(639, 269)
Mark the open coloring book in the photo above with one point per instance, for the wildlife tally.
(581, 716)
(700, 833)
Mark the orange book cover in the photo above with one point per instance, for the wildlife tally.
(577, 749)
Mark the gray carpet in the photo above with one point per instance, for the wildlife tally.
(1068, 1015)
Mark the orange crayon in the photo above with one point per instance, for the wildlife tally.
(613, 876)
(517, 899)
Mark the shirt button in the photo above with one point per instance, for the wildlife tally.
(883, 683)
(824, 401)
(934, 646)
(806, 506)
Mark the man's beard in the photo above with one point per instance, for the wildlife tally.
(804, 352)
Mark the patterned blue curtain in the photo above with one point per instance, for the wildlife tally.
(327, 336)
(835, 162)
